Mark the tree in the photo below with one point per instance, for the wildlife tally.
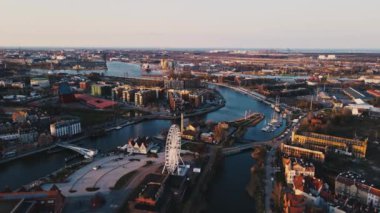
(277, 196)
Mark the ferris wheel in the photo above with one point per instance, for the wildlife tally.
(173, 150)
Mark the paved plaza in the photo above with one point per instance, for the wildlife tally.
(109, 170)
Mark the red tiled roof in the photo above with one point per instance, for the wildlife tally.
(359, 185)
(317, 183)
(298, 182)
(99, 103)
(27, 195)
(373, 92)
(375, 191)
(296, 200)
(298, 209)
(286, 161)
(139, 141)
(326, 195)
(345, 181)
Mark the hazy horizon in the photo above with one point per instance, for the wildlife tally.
(297, 24)
(281, 50)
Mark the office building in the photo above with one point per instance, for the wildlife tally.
(129, 95)
(84, 85)
(175, 100)
(65, 128)
(174, 84)
(195, 100)
(182, 84)
(103, 90)
(143, 97)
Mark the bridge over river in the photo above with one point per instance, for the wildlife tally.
(87, 153)
(243, 147)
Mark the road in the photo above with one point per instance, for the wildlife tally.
(269, 170)
(268, 176)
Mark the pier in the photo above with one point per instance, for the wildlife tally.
(251, 119)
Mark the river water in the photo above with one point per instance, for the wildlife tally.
(114, 68)
(227, 192)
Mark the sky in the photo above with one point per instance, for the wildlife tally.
(346, 24)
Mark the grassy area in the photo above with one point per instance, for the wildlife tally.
(91, 117)
(342, 124)
(123, 180)
(88, 117)
(335, 164)
(200, 147)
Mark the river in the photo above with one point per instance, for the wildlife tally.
(227, 191)
(114, 68)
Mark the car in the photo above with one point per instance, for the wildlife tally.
(114, 206)
(96, 167)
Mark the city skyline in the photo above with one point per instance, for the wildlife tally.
(195, 106)
(195, 24)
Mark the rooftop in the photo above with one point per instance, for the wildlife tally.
(350, 178)
(98, 103)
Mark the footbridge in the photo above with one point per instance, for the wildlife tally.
(250, 93)
(245, 146)
(87, 153)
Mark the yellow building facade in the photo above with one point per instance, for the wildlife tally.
(321, 142)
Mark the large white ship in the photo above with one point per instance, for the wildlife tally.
(146, 67)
